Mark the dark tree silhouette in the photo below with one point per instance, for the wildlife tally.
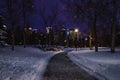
(84, 11)
(11, 17)
(49, 20)
(93, 12)
(27, 6)
(90, 18)
(16, 11)
(114, 21)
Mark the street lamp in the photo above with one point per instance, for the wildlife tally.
(76, 31)
(86, 39)
(48, 29)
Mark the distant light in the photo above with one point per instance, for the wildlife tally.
(4, 26)
(86, 39)
(49, 27)
(48, 30)
(68, 32)
(65, 41)
(76, 30)
(29, 28)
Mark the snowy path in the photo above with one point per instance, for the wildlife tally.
(60, 67)
(23, 63)
(102, 64)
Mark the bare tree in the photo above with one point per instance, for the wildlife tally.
(11, 14)
(27, 6)
(11, 18)
(42, 12)
(100, 11)
(90, 18)
(75, 10)
(114, 21)
(54, 14)
(84, 11)
(93, 12)
(50, 19)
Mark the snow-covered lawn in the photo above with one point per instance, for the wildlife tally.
(102, 64)
(24, 63)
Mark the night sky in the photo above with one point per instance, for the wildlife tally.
(35, 21)
(61, 17)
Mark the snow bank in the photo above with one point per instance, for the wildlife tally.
(102, 64)
(24, 63)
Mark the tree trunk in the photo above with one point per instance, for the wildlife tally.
(114, 27)
(89, 23)
(13, 37)
(24, 23)
(90, 41)
(24, 41)
(10, 13)
(95, 33)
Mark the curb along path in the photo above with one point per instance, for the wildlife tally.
(60, 67)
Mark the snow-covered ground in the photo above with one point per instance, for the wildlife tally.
(30, 63)
(24, 63)
(102, 64)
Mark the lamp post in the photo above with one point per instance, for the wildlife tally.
(76, 32)
(90, 41)
(48, 29)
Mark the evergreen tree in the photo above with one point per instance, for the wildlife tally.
(2, 33)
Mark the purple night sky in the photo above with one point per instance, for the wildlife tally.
(35, 21)
(61, 16)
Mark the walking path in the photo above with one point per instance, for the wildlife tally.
(60, 67)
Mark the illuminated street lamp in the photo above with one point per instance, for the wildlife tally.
(30, 28)
(76, 31)
(48, 29)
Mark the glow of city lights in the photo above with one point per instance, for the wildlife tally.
(4, 26)
(29, 28)
(68, 32)
(76, 30)
(86, 39)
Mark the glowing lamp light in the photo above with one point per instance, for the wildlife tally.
(4, 26)
(48, 30)
(29, 28)
(68, 32)
(86, 39)
(76, 30)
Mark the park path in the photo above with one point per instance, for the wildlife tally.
(60, 67)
